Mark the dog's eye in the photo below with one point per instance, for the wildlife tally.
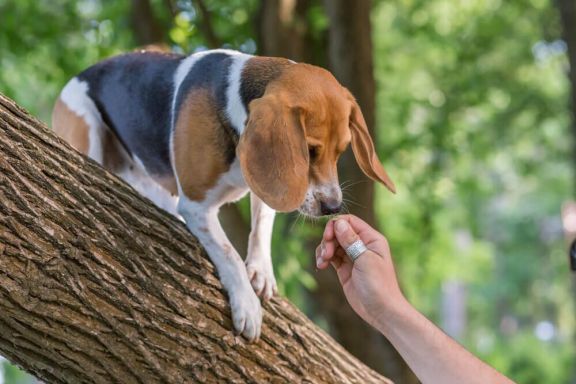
(312, 152)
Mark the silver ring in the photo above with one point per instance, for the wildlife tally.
(356, 249)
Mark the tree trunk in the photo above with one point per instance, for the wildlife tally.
(283, 30)
(567, 10)
(350, 52)
(146, 28)
(236, 228)
(205, 25)
(97, 285)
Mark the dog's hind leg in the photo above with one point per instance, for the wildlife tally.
(77, 120)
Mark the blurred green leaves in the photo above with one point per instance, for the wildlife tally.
(44, 43)
(473, 127)
(230, 24)
(10, 374)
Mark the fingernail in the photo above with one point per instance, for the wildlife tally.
(322, 250)
(319, 261)
(341, 226)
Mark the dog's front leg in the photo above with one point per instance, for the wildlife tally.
(259, 260)
(204, 224)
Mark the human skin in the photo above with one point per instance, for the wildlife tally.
(371, 288)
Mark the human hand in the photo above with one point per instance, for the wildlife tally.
(372, 290)
(369, 283)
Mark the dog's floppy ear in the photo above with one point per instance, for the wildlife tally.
(363, 148)
(273, 153)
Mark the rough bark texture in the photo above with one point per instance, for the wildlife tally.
(350, 52)
(99, 286)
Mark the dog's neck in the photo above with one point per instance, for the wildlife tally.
(257, 73)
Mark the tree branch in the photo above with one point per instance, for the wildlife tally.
(171, 7)
(206, 25)
(97, 285)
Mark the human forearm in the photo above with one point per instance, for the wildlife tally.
(370, 285)
(433, 356)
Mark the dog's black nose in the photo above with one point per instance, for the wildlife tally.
(330, 208)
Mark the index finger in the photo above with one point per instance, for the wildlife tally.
(329, 231)
(362, 228)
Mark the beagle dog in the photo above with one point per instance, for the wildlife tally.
(195, 132)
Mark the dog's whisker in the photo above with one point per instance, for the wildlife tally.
(346, 184)
(345, 209)
(295, 222)
(351, 201)
(356, 203)
(349, 184)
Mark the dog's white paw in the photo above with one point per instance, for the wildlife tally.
(261, 276)
(246, 313)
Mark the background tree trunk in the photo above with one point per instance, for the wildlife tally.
(283, 30)
(146, 27)
(236, 227)
(99, 286)
(206, 26)
(351, 61)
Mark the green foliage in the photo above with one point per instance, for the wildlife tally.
(44, 43)
(473, 126)
(10, 374)
(232, 22)
(528, 360)
(292, 256)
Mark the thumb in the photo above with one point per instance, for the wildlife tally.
(344, 233)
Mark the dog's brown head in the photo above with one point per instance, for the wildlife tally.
(294, 137)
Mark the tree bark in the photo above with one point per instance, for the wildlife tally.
(351, 62)
(235, 226)
(146, 28)
(97, 285)
(283, 30)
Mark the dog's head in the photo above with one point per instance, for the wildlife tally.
(294, 137)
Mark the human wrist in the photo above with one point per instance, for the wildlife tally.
(396, 312)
